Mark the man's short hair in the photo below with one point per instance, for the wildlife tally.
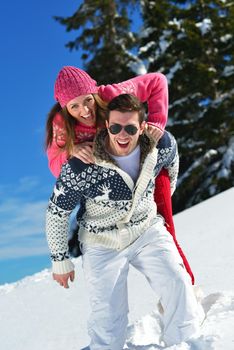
(126, 103)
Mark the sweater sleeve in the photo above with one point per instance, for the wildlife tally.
(172, 164)
(151, 88)
(66, 195)
(173, 170)
(55, 153)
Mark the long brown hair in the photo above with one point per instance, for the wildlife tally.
(69, 123)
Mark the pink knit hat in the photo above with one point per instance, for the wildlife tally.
(72, 82)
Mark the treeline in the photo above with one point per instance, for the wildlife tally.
(191, 42)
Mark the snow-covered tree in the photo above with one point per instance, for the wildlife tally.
(192, 43)
(105, 38)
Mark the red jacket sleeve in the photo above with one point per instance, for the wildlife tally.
(151, 88)
(56, 158)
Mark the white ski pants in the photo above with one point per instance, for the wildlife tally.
(154, 254)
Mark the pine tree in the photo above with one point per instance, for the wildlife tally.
(105, 38)
(192, 43)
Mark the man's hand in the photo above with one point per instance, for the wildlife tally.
(155, 132)
(84, 151)
(64, 278)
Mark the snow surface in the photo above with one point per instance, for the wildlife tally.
(36, 313)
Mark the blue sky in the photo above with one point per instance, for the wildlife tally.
(32, 52)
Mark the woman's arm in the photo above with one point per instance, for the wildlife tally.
(151, 88)
(56, 158)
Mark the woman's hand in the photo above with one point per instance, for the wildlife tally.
(84, 151)
(155, 132)
(64, 278)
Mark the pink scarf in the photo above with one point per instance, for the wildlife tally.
(84, 133)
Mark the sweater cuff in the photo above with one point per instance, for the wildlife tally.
(62, 267)
(156, 125)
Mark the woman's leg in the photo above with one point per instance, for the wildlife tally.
(162, 197)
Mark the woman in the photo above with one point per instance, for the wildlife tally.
(73, 122)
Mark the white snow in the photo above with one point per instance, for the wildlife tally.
(226, 37)
(212, 69)
(209, 154)
(222, 97)
(148, 46)
(138, 67)
(36, 313)
(145, 33)
(175, 22)
(182, 100)
(187, 173)
(164, 43)
(205, 25)
(228, 70)
(173, 70)
(227, 161)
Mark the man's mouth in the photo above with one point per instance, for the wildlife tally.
(122, 144)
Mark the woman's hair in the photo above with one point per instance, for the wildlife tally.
(49, 123)
(69, 123)
(101, 110)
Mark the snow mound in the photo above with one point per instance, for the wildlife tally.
(216, 330)
(36, 313)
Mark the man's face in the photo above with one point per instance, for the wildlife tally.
(123, 143)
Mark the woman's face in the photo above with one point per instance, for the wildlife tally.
(83, 109)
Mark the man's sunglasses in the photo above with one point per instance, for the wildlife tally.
(116, 128)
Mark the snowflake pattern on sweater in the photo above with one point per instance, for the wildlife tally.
(116, 211)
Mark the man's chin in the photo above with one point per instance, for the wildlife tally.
(122, 149)
(122, 152)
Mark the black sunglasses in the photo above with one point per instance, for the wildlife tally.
(116, 128)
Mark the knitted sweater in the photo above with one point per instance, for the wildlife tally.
(116, 211)
(56, 154)
(151, 87)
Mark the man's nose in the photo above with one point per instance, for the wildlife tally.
(123, 132)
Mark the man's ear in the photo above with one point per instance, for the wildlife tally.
(142, 127)
(107, 124)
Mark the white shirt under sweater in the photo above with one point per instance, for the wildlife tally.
(130, 163)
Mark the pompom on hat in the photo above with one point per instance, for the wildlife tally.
(72, 82)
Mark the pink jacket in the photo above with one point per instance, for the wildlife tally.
(151, 88)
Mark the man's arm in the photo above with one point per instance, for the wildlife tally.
(172, 163)
(168, 158)
(65, 197)
(173, 170)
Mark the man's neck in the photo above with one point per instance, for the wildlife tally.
(129, 163)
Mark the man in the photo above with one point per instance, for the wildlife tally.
(119, 226)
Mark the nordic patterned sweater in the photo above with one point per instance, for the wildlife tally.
(115, 210)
